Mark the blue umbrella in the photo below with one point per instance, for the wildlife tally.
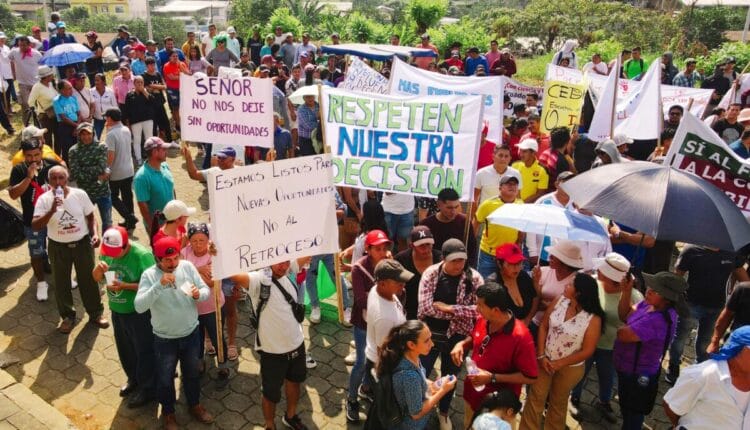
(662, 202)
(67, 53)
(552, 221)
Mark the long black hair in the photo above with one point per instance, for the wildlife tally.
(501, 399)
(394, 346)
(587, 295)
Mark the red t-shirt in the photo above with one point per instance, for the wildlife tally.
(181, 234)
(485, 154)
(510, 349)
(543, 140)
(169, 68)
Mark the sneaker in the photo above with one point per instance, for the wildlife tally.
(315, 315)
(347, 317)
(575, 409)
(365, 394)
(310, 362)
(73, 284)
(41, 291)
(293, 422)
(607, 412)
(445, 422)
(351, 358)
(352, 411)
(671, 377)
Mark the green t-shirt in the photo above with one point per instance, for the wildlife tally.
(610, 303)
(129, 268)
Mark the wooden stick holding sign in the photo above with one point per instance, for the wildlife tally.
(336, 260)
(219, 329)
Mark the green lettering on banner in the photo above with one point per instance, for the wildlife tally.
(412, 106)
(406, 186)
(334, 106)
(364, 106)
(394, 111)
(349, 107)
(454, 121)
(383, 185)
(428, 114)
(340, 169)
(697, 147)
(364, 174)
(352, 172)
(380, 107)
(419, 187)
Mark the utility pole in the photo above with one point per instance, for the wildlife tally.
(148, 20)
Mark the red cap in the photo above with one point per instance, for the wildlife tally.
(509, 252)
(36, 28)
(166, 247)
(376, 237)
(140, 47)
(114, 240)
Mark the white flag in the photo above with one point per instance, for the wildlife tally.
(644, 115)
(601, 124)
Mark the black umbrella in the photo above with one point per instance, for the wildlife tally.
(662, 202)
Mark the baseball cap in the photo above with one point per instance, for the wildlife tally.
(150, 42)
(264, 68)
(425, 36)
(509, 252)
(91, 33)
(454, 249)
(36, 28)
(167, 246)
(33, 143)
(61, 24)
(231, 30)
(376, 237)
(508, 178)
(531, 144)
(140, 47)
(2, 35)
(226, 152)
(690, 60)
(122, 27)
(421, 235)
(393, 270)
(115, 239)
(32, 132)
(175, 209)
(154, 143)
(267, 57)
(85, 126)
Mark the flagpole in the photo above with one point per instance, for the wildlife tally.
(336, 260)
(219, 330)
(614, 99)
(660, 125)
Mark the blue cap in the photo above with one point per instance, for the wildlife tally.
(61, 24)
(227, 152)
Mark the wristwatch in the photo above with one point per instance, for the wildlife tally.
(492, 379)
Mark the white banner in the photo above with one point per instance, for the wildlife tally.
(642, 117)
(563, 74)
(734, 95)
(223, 110)
(517, 91)
(408, 80)
(363, 78)
(410, 145)
(271, 212)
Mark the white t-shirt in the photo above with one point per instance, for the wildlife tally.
(209, 42)
(278, 330)
(84, 102)
(382, 316)
(69, 224)
(594, 68)
(5, 71)
(551, 289)
(27, 68)
(397, 204)
(488, 181)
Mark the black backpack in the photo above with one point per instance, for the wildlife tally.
(11, 226)
(385, 412)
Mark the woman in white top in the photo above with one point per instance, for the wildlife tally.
(103, 99)
(42, 95)
(567, 337)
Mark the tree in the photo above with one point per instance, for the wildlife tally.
(283, 18)
(426, 13)
(76, 15)
(307, 11)
(246, 13)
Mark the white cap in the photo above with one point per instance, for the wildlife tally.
(31, 132)
(231, 30)
(175, 209)
(614, 266)
(531, 144)
(620, 139)
(2, 35)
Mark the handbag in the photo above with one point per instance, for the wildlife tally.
(638, 392)
(297, 309)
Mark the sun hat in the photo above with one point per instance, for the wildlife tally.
(567, 252)
(614, 266)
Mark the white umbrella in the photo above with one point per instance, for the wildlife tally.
(552, 221)
(297, 97)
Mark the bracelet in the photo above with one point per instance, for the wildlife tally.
(542, 356)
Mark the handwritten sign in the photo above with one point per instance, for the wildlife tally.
(218, 110)
(412, 81)
(268, 213)
(517, 91)
(410, 145)
(361, 77)
(562, 105)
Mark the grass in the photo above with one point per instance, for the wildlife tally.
(531, 71)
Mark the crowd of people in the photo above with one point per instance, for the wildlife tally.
(432, 280)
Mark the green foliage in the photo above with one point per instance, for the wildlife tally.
(465, 32)
(307, 11)
(76, 15)
(282, 17)
(362, 29)
(101, 23)
(704, 27)
(11, 24)
(426, 13)
(740, 51)
(609, 50)
(531, 71)
(246, 13)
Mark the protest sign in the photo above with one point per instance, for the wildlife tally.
(361, 77)
(410, 145)
(517, 91)
(562, 105)
(408, 80)
(271, 212)
(563, 74)
(222, 110)
(642, 115)
(734, 95)
(697, 149)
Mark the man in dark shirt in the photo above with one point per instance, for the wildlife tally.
(729, 129)
(28, 180)
(708, 271)
(736, 312)
(448, 223)
(420, 255)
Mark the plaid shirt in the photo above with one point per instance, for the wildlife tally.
(464, 311)
(682, 80)
(307, 120)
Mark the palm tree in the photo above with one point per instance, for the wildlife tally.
(307, 11)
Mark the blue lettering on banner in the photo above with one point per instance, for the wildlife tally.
(359, 142)
(408, 87)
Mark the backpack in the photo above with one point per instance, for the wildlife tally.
(385, 412)
(11, 226)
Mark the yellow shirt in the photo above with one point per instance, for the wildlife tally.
(47, 152)
(534, 178)
(494, 235)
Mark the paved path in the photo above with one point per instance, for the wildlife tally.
(79, 374)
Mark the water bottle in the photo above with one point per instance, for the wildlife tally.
(60, 194)
(107, 171)
(440, 381)
(472, 369)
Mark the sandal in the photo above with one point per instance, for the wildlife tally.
(209, 348)
(232, 353)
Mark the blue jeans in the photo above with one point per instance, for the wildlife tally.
(168, 352)
(311, 281)
(104, 204)
(37, 241)
(134, 339)
(447, 367)
(99, 127)
(487, 264)
(605, 370)
(705, 318)
(359, 374)
(399, 225)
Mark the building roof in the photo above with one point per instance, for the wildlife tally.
(190, 6)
